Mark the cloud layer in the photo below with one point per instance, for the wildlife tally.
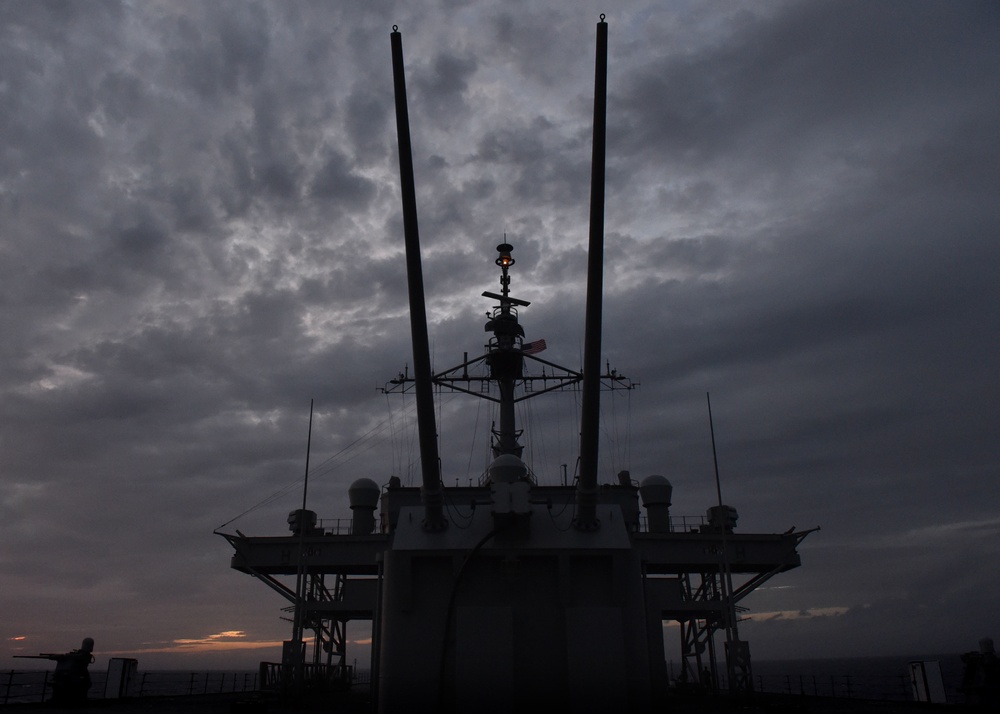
(200, 231)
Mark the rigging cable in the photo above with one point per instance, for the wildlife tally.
(392, 437)
(323, 468)
(475, 435)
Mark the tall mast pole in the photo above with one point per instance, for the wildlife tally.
(431, 490)
(586, 490)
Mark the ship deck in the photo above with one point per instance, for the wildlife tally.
(676, 704)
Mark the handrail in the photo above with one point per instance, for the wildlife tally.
(27, 686)
(678, 524)
(272, 675)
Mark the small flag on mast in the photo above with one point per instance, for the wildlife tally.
(533, 347)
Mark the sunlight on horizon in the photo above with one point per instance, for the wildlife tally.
(228, 640)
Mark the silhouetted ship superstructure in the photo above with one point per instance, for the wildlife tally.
(507, 594)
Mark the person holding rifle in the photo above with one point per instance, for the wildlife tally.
(71, 680)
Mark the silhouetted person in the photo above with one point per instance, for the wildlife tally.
(71, 680)
(706, 679)
(981, 680)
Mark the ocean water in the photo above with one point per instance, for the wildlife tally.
(886, 678)
(19, 686)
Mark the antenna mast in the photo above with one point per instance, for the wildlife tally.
(729, 615)
(300, 576)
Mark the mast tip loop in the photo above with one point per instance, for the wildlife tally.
(395, 28)
(602, 17)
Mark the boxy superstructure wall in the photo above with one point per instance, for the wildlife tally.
(547, 616)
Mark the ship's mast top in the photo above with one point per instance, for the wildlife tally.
(504, 357)
(505, 261)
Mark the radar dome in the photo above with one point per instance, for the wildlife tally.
(363, 496)
(363, 493)
(507, 468)
(655, 491)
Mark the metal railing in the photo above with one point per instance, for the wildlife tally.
(335, 526)
(275, 677)
(850, 686)
(875, 687)
(154, 684)
(26, 686)
(678, 524)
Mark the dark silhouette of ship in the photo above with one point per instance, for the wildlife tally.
(505, 594)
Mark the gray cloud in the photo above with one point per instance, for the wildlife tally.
(201, 232)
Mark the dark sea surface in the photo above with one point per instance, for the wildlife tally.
(21, 686)
(860, 677)
(883, 678)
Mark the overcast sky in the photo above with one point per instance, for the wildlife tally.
(200, 231)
